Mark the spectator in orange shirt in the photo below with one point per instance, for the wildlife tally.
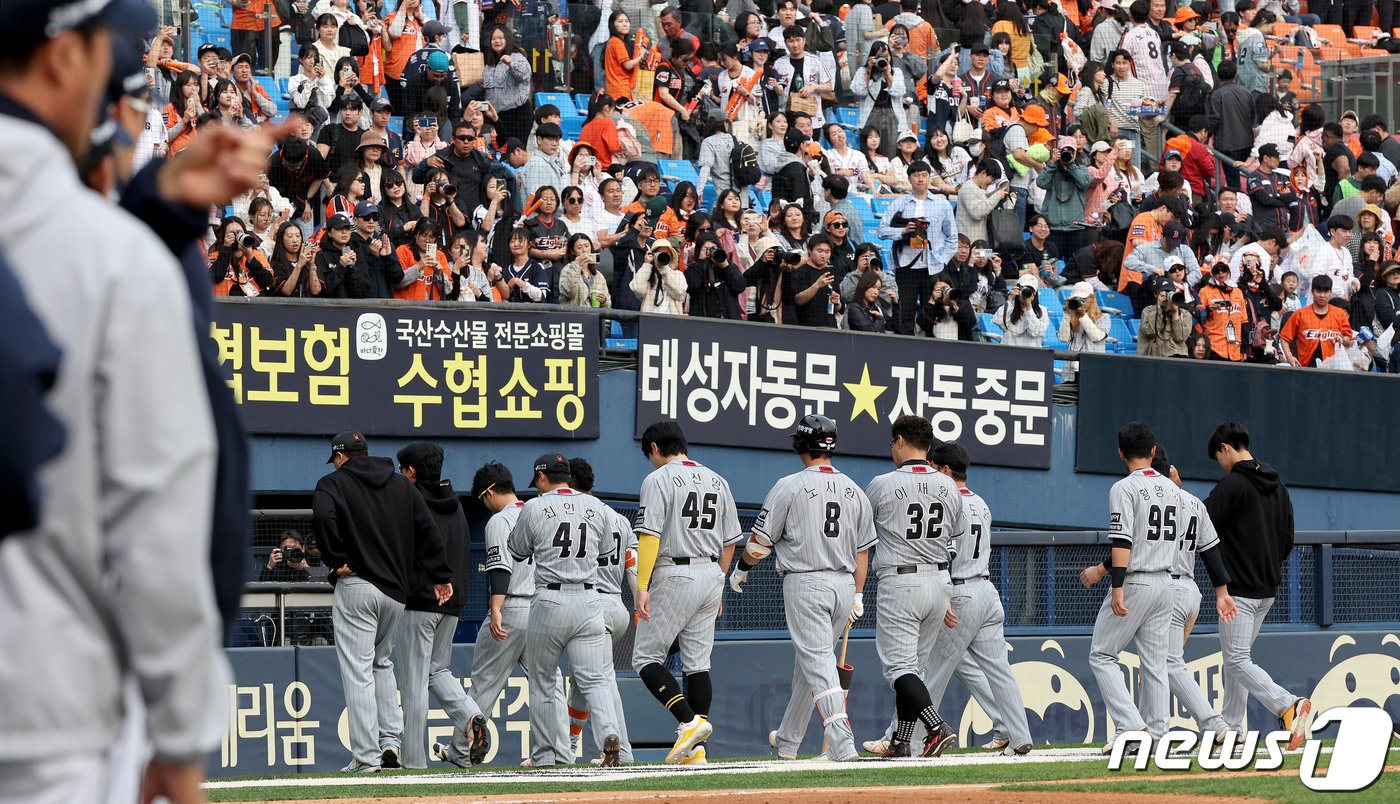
(405, 34)
(237, 266)
(1147, 227)
(257, 105)
(621, 58)
(600, 130)
(248, 32)
(425, 266)
(183, 111)
(1227, 315)
(1311, 334)
(1001, 112)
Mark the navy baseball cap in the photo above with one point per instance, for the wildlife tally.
(760, 45)
(553, 465)
(365, 209)
(345, 442)
(29, 23)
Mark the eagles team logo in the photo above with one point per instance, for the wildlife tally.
(1115, 523)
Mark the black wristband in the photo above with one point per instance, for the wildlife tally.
(744, 565)
(1118, 574)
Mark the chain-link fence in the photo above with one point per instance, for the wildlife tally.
(1326, 579)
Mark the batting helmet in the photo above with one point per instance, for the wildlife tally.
(814, 434)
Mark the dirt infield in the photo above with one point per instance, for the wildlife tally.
(933, 794)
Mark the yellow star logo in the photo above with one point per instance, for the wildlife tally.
(865, 393)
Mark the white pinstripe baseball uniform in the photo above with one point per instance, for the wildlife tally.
(818, 520)
(566, 532)
(1146, 516)
(917, 514)
(493, 661)
(1199, 535)
(616, 618)
(690, 509)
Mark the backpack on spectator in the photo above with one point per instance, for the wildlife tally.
(820, 38)
(1191, 99)
(743, 164)
(355, 38)
(994, 142)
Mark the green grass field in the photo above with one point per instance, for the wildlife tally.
(1283, 788)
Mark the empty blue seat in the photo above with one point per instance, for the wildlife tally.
(614, 329)
(571, 127)
(1050, 300)
(880, 203)
(581, 102)
(680, 169)
(990, 330)
(1119, 331)
(846, 115)
(560, 99)
(1113, 302)
(1064, 293)
(1134, 326)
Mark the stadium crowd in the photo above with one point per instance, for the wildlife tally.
(1087, 176)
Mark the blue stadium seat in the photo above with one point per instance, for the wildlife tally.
(761, 199)
(1050, 300)
(621, 344)
(284, 88)
(1118, 330)
(679, 169)
(560, 99)
(572, 127)
(614, 329)
(1115, 303)
(846, 115)
(880, 203)
(1064, 293)
(581, 102)
(990, 330)
(1134, 326)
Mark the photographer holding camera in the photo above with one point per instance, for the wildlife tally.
(714, 281)
(1166, 324)
(660, 283)
(238, 266)
(922, 223)
(1065, 183)
(287, 562)
(1023, 321)
(1085, 326)
(1226, 313)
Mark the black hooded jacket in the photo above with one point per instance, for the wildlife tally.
(446, 509)
(369, 517)
(1253, 514)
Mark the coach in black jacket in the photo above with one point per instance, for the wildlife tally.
(1253, 515)
(424, 646)
(372, 526)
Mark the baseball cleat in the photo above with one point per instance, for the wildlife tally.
(443, 753)
(897, 750)
(1018, 751)
(854, 756)
(875, 746)
(1129, 751)
(773, 742)
(356, 766)
(1298, 720)
(481, 739)
(697, 757)
(936, 744)
(687, 735)
(997, 744)
(527, 764)
(611, 747)
(390, 758)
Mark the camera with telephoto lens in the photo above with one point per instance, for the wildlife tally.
(250, 241)
(1067, 155)
(718, 258)
(881, 65)
(661, 259)
(449, 189)
(790, 257)
(1027, 292)
(1074, 304)
(293, 555)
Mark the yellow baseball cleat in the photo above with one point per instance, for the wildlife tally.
(687, 736)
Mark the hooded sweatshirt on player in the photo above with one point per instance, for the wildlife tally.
(446, 509)
(1253, 514)
(371, 518)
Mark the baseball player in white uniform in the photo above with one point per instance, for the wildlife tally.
(820, 523)
(1145, 514)
(1198, 537)
(917, 514)
(614, 569)
(566, 533)
(500, 643)
(687, 527)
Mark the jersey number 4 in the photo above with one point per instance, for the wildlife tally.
(917, 530)
(564, 542)
(700, 513)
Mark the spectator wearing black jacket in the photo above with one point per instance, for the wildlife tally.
(424, 646)
(1230, 118)
(343, 276)
(466, 166)
(372, 527)
(297, 170)
(1253, 515)
(714, 281)
(287, 562)
(375, 253)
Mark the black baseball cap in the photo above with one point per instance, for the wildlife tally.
(1268, 149)
(346, 442)
(980, 47)
(1173, 232)
(340, 221)
(208, 47)
(1001, 84)
(553, 465)
(381, 105)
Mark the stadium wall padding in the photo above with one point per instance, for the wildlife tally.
(287, 712)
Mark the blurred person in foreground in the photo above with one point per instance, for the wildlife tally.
(132, 480)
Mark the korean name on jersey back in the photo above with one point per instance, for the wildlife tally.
(690, 509)
(918, 512)
(567, 533)
(1146, 516)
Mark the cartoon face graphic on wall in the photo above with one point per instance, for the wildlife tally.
(1051, 693)
(1367, 678)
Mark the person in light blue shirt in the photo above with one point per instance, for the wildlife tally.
(919, 252)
